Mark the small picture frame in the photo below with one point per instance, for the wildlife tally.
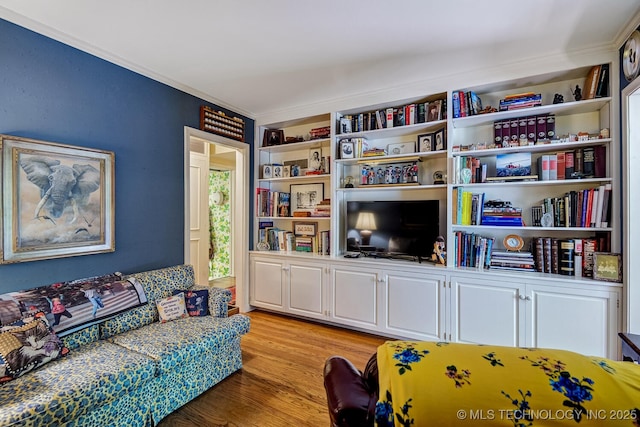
(345, 125)
(305, 197)
(277, 171)
(315, 159)
(425, 142)
(305, 228)
(272, 137)
(267, 171)
(286, 171)
(607, 266)
(347, 150)
(439, 141)
(434, 111)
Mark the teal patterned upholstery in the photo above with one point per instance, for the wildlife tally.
(88, 377)
(131, 370)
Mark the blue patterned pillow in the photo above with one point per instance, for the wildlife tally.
(197, 301)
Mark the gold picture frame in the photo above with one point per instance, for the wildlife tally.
(607, 266)
(305, 228)
(57, 200)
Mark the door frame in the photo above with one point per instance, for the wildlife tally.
(239, 208)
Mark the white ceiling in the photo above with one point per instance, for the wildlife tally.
(261, 56)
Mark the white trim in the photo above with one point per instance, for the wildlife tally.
(630, 266)
(239, 208)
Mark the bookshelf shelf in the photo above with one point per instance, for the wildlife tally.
(532, 148)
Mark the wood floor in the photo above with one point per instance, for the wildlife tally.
(281, 381)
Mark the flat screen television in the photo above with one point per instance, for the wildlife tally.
(402, 227)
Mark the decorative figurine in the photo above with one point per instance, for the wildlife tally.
(577, 93)
(349, 182)
(558, 99)
(439, 253)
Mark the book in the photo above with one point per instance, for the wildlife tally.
(568, 164)
(600, 161)
(543, 167)
(591, 82)
(455, 104)
(566, 254)
(553, 167)
(588, 162)
(561, 165)
(603, 82)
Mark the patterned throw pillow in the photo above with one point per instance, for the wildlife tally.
(171, 308)
(197, 301)
(26, 345)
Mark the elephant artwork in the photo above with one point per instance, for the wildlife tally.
(55, 203)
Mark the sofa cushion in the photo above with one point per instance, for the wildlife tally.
(196, 300)
(172, 307)
(219, 299)
(183, 340)
(87, 378)
(26, 345)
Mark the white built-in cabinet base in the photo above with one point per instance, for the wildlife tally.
(425, 302)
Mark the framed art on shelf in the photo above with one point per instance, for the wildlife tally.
(305, 197)
(346, 150)
(607, 266)
(267, 171)
(439, 142)
(425, 142)
(305, 228)
(57, 199)
(277, 171)
(315, 159)
(273, 137)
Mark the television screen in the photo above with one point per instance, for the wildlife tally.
(407, 227)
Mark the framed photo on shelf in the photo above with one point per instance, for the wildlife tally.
(267, 171)
(346, 150)
(439, 142)
(425, 142)
(81, 219)
(345, 125)
(315, 159)
(607, 266)
(305, 197)
(305, 228)
(286, 171)
(434, 111)
(272, 137)
(277, 171)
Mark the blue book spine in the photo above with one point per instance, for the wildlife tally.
(459, 206)
(455, 98)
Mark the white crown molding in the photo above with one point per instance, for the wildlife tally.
(626, 31)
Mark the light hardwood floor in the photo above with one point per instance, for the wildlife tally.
(281, 381)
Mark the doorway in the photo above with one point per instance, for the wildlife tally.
(631, 235)
(204, 152)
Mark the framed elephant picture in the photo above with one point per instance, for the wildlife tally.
(57, 200)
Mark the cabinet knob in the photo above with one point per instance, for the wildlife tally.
(285, 268)
(522, 297)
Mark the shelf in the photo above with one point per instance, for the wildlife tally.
(387, 187)
(458, 227)
(536, 183)
(566, 108)
(295, 218)
(297, 178)
(395, 131)
(531, 148)
(295, 146)
(394, 158)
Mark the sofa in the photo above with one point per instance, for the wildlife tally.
(131, 369)
(442, 383)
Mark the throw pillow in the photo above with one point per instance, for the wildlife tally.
(171, 308)
(197, 301)
(27, 344)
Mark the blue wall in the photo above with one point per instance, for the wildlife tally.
(53, 92)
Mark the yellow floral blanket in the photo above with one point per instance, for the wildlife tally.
(447, 384)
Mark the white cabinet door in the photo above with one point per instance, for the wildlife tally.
(354, 297)
(415, 305)
(580, 320)
(267, 284)
(486, 312)
(306, 289)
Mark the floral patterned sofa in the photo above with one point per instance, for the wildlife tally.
(131, 369)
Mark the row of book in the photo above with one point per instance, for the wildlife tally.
(586, 162)
(529, 129)
(588, 208)
(520, 100)
(596, 85)
(470, 209)
(285, 240)
(272, 203)
(465, 104)
(410, 114)
(570, 257)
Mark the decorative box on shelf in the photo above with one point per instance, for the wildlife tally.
(219, 123)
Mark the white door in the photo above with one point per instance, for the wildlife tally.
(306, 289)
(580, 320)
(355, 300)
(267, 284)
(415, 305)
(199, 210)
(487, 312)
